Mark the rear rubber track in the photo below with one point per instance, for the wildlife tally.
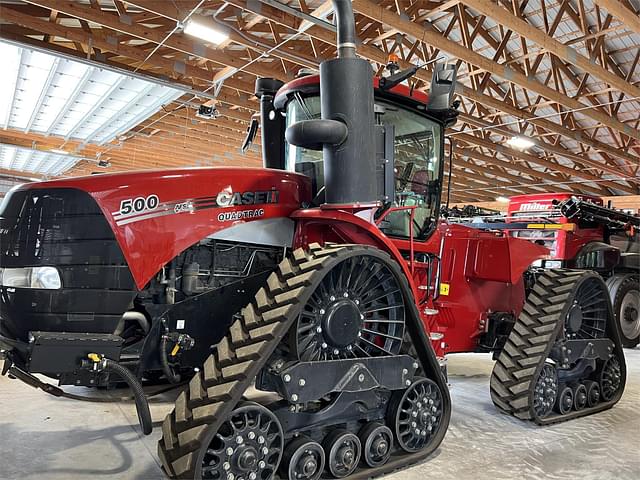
(528, 346)
(214, 392)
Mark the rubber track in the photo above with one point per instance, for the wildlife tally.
(515, 372)
(213, 392)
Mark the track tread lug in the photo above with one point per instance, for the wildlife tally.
(221, 391)
(183, 464)
(206, 411)
(191, 435)
(236, 370)
(251, 351)
(183, 414)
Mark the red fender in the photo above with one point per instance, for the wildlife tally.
(340, 226)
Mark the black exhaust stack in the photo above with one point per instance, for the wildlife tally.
(346, 93)
(272, 123)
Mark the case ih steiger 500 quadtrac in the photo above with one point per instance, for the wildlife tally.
(580, 233)
(314, 280)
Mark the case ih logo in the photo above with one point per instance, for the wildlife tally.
(534, 207)
(134, 210)
(228, 198)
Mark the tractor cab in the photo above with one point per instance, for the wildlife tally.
(409, 150)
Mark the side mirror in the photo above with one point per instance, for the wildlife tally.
(443, 87)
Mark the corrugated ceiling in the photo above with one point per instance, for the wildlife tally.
(57, 96)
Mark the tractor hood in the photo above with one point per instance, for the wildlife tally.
(153, 215)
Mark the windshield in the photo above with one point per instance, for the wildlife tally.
(418, 158)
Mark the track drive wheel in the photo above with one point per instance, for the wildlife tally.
(415, 414)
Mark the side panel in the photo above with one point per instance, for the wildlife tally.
(481, 273)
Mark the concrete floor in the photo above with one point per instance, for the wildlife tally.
(46, 437)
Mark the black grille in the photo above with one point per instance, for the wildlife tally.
(55, 227)
(64, 228)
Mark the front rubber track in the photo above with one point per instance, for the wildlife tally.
(541, 322)
(213, 392)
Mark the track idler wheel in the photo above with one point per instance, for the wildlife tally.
(610, 379)
(546, 390)
(247, 446)
(593, 393)
(377, 440)
(564, 402)
(303, 460)
(579, 397)
(342, 450)
(416, 414)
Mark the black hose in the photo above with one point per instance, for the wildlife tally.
(168, 371)
(142, 405)
(346, 26)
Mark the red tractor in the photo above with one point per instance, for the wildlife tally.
(580, 233)
(324, 281)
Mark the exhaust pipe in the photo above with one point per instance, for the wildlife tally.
(346, 131)
(346, 28)
(346, 93)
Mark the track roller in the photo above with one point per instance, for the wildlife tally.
(342, 451)
(303, 460)
(376, 440)
(564, 402)
(579, 397)
(593, 393)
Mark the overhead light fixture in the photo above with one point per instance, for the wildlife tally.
(205, 30)
(104, 163)
(502, 199)
(59, 151)
(521, 143)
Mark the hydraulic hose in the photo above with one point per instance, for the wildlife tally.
(345, 24)
(166, 368)
(142, 405)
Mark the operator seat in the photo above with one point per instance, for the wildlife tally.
(415, 193)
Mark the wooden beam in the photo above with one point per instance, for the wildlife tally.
(527, 157)
(546, 146)
(388, 17)
(20, 174)
(374, 54)
(629, 18)
(504, 17)
(178, 42)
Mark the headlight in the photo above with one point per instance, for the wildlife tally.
(31, 277)
(553, 264)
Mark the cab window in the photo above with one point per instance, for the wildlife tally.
(418, 158)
